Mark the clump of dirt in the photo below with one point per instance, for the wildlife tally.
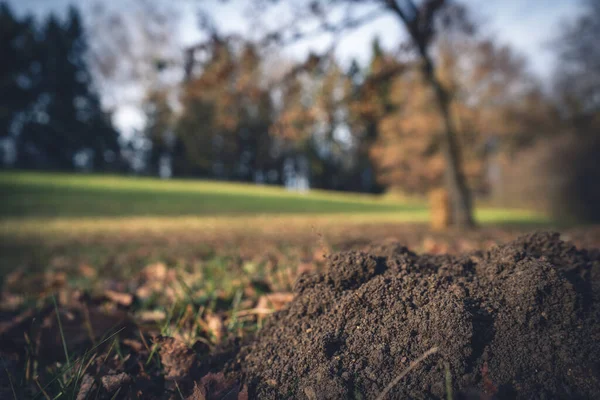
(519, 321)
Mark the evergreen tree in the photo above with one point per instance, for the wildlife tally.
(66, 118)
(17, 69)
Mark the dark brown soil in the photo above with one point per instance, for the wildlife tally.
(519, 321)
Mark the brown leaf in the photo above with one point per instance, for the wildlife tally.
(123, 299)
(275, 301)
(151, 316)
(87, 384)
(176, 357)
(135, 345)
(11, 301)
(145, 291)
(111, 383)
(215, 326)
(13, 278)
(87, 271)
(154, 272)
(216, 387)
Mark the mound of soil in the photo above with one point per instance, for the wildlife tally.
(519, 321)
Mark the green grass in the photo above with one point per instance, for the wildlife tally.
(68, 195)
(28, 198)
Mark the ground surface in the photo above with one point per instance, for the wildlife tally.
(519, 321)
(123, 288)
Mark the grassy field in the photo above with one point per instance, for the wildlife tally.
(31, 200)
(62, 195)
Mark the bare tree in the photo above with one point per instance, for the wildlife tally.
(420, 24)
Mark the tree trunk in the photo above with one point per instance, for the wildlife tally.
(460, 196)
(418, 26)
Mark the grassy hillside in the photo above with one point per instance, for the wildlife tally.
(65, 195)
(51, 203)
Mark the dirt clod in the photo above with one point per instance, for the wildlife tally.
(519, 321)
(177, 358)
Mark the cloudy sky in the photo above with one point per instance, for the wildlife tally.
(528, 26)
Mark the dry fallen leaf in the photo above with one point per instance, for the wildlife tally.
(135, 345)
(87, 271)
(274, 301)
(85, 389)
(151, 316)
(11, 301)
(154, 272)
(123, 299)
(215, 386)
(13, 278)
(113, 382)
(215, 326)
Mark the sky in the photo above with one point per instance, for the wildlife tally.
(528, 26)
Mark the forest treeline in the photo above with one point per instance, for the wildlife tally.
(238, 115)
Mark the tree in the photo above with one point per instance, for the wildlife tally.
(578, 94)
(66, 118)
(158, 130)
(422, 23)
(496, 105)
(578, 74)
(223, 131)
(17, 69)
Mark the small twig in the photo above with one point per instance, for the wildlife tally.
(412, 366)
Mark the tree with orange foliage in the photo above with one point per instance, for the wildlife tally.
(223, 130)
(492, 99)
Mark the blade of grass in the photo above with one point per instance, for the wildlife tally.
(116, 394)
(449, 394)
(151, 355)
(165, 328)
(62, 334)
(81, 371)
(42, 390)
(84, 355)
(412, 366)
(9, 378)
(234, 310)
(179, 391)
